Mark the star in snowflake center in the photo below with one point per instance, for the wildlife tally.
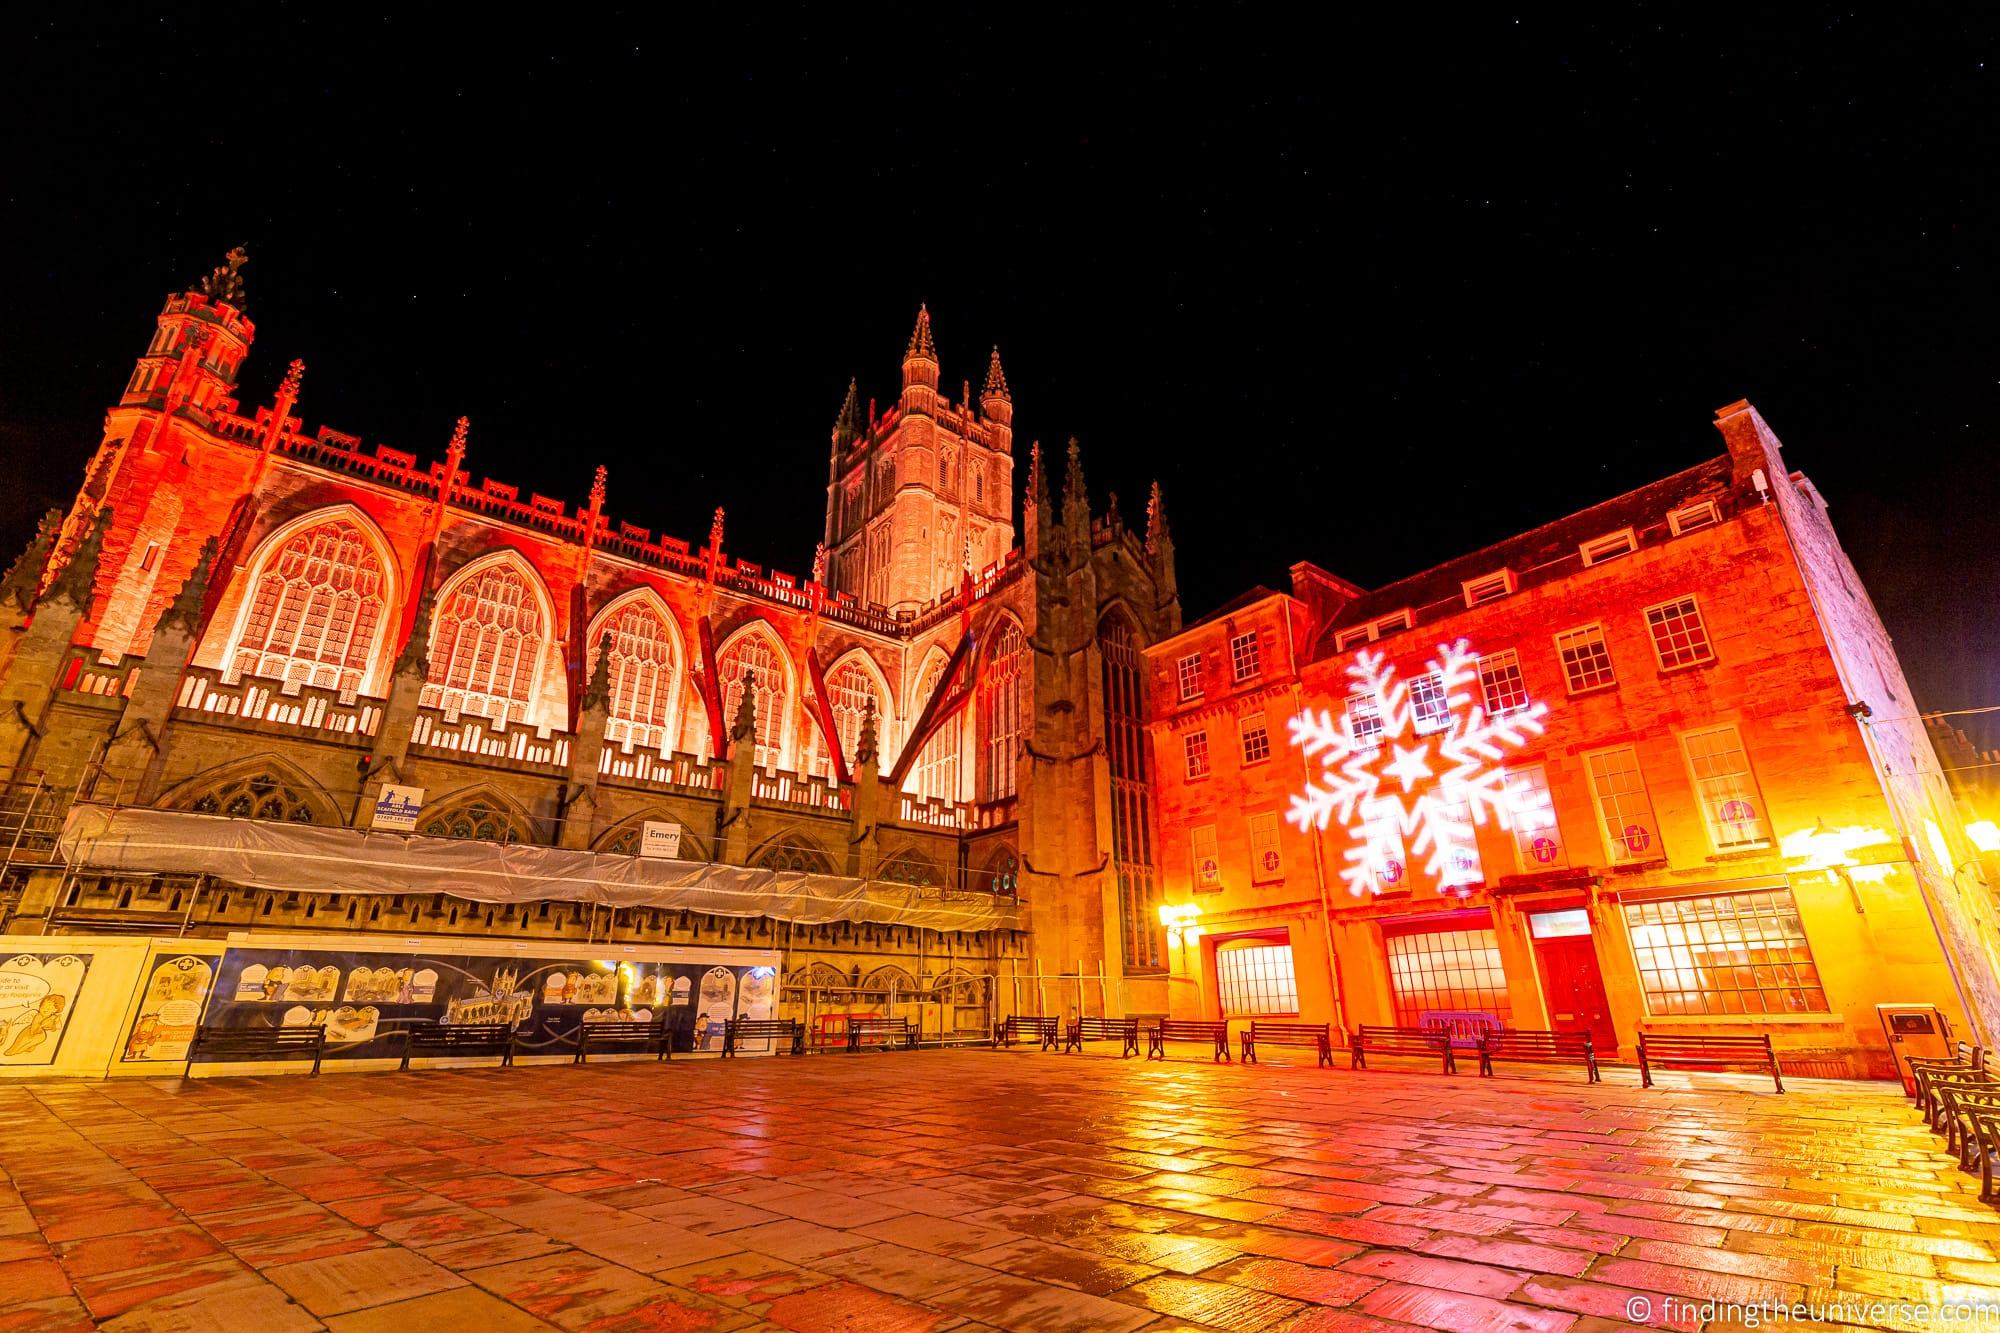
(1408, 767)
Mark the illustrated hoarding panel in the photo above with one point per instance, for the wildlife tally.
(364, 994)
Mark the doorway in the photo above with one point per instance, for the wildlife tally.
(1571, 982)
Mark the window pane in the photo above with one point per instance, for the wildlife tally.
(1730, 801)
(1256, 739)
(1624, 809)
(1257, 979)
(1586, 661)
(1679, 637)
(1710, 955)
(1500, 680)
(1447, 970)
(1243, 656)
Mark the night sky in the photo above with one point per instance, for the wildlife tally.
(1366, 295)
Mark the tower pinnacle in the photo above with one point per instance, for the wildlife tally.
(920, 341)
(225, 282)
(996, 379)
(920, 367)
(847, 426)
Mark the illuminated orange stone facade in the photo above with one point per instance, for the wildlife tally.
(1719, 811)
(242, 616)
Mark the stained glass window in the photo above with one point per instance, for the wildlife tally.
(316, 612)
(486, 644)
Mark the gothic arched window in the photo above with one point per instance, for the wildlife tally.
(1004, 874)
(908, 867)
(1132, 850)
(850, 689)
(937, 765)
(486, 644)
(751, 661)
(477, 818)
(1001, 696)
(260, 796)
(795, 856)
(644, 671)
(317, 604)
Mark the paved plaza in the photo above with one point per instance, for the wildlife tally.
(879, 1193)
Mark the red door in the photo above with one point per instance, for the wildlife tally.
(1576, 992)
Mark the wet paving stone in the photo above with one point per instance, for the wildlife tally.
(970, 1190)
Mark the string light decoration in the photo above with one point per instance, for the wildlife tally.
(1418, 774)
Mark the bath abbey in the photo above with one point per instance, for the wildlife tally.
(915, 769)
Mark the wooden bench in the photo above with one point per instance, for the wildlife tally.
(1707, 1052)
(598, 1035)
(1124, 1030)
(445, 1039)
(1314, 1035)
(1941, 1085)
(1538, 1046)
(1399, 1041)
(1022, 1027)
(1213, 1031)
(1957, 1101)
(1466, 1027)
(897, 1029)
(792, 1031)
(1969, 1058)
(1978, 1114)
(214, 1042)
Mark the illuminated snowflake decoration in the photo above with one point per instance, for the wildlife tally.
(1411, 767)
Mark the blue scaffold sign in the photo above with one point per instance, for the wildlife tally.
(396, 808)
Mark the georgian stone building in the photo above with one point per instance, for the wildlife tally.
(244, 618)
(1652, 766)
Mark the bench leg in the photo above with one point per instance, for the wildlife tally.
(1357, 1058)
(1131, 1048)
(1450, 1061)
(1776, 1077)
(1485, 1063)
(1249, 1050)
(1645, 1070)
(1590, 1062)
(1326, 1054)
(1155, 1048)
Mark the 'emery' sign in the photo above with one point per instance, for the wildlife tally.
(660, 839)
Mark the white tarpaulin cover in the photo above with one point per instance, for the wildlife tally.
(308, 859)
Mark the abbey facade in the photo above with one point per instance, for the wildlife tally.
(245, 618)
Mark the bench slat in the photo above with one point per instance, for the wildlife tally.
(857, 1028)
(1017, 1027)
(1387, 1040)
(1539, 1046)
(279, 1043)
(616, 1033)
(764, 1029)
(1315, 1035)
(460, 1039)
(1188, 1029)
(1123, 1030)
(1706, 1051)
